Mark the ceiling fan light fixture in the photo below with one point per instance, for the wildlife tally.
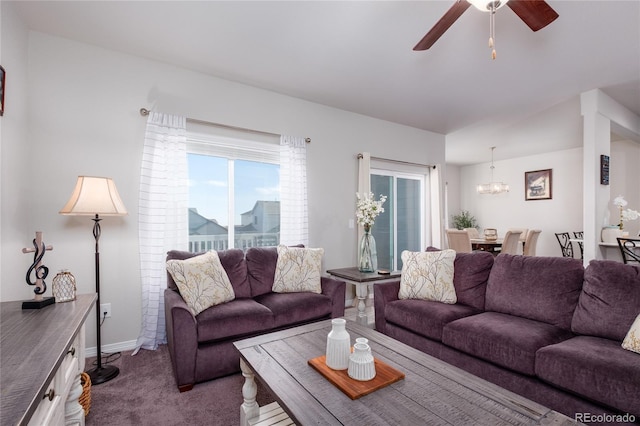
(488, 5)
(492, 187)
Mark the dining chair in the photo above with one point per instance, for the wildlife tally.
(523, 235)
(580, 236)
(630, 249)
(510, 242)
(459, 240)
(531, 242)
(565, 244)
(473, 232)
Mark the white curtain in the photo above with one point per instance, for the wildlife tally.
(294, 217)
(162, 218)
(364, 183)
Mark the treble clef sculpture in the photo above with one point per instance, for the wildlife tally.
(40, 272)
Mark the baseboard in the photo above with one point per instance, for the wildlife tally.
(112, 348)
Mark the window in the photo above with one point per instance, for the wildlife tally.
(402, 226)
(234, 195)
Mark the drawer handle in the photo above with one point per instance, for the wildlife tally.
(72, 351)
(51, 394)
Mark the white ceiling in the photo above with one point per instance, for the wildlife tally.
(357, 56)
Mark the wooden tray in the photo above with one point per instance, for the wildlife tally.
(354, 389)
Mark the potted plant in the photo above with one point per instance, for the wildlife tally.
(464, 220)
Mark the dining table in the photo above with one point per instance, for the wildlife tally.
(482, 244)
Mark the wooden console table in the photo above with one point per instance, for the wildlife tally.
(42, 356)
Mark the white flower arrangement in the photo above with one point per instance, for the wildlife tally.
(368, 209)
(625, 214)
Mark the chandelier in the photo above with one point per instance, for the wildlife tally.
(492, 187)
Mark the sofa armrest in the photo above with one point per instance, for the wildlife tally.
(335, 289)
(182, 339)
(382, 294)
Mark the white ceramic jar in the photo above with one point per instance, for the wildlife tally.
(361, 364)
(338, 345)
(365, 341)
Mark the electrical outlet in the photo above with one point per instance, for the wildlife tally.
(105, 310)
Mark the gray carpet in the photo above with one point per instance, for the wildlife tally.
(145, 393)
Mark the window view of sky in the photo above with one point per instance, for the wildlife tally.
(209, 186)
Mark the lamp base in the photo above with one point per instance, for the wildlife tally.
(103, 374)
(38, 304)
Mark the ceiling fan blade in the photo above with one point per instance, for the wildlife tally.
(537, 14)
(443, 24)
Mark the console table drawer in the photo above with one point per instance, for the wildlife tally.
(50, 410)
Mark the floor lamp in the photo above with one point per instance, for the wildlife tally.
(96, 196)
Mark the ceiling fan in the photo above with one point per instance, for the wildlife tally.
(537, 14)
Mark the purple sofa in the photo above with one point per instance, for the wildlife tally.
(543, 327)
(201, 347)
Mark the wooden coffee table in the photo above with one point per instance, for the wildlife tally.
(432, 392)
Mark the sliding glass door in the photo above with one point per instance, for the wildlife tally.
(401, 226)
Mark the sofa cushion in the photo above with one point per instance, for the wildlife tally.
(470, 275)
(298, 270)
(233, 263)
(595, 368)
(471, 272)
(609, 301)
(505, 340)
(425, 317)
(202, 281)
(428, 276)
(293, 308)
(236, 318)
(261, 268)
(631, 341)
(539, 288)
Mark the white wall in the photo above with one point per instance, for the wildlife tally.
(83, 119)
(15, 168)
(563, 213)
(624, 177)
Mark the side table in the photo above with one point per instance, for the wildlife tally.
(361, 281)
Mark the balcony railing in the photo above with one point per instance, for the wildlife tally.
(200, 243)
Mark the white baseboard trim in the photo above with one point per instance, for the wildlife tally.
(112, 348)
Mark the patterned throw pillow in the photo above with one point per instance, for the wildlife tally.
(428, 275)
(632, 341)
(202, 281)
(298, 270)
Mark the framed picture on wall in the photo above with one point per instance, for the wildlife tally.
(538, 185)
(1, 90)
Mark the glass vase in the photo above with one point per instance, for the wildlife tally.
(367, 254)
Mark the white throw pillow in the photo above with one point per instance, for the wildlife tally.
(202, 281)
(631, 341)
(428, 275)
(298, 270)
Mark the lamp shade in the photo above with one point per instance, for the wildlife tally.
(94, 195)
